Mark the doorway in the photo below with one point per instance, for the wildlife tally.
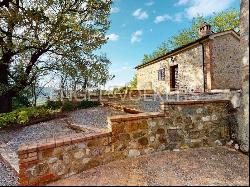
(174, 78)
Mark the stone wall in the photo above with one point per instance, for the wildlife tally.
(180, 125)
(221, 68)
(199, 123)
(151, 103)
(54, 159)
(244, 115)
(190, 65)
(226, 62)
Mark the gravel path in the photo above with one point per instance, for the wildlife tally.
(14, 138)
(94, 117)
(7, 176)
(207, 166)
(10, 140)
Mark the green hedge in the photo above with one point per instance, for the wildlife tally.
(69, 106)
(87, 104)
(23, 115)
(20, 102)
(54, 104)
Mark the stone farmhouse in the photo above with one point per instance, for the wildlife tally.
(210, 63)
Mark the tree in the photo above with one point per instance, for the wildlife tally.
(32, 30)
(133, 82)
(222, 21)
(85, 71)
(161, 50)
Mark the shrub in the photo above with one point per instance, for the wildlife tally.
(54, 104)
(87, 104)
(20, 102)
(23, 115)
(68, 106)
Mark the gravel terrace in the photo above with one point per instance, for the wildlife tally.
(10, 140)
(207, 166)
(15, 137)
(94, 117)
(7, 176)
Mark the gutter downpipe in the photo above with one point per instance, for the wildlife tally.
(203, 63)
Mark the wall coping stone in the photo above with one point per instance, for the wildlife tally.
(53, 143)
(121, 107)
(194, 102)
(130, 117)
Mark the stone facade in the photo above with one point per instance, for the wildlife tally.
(226, 66)
(190, 72)
(180, 125)
(203, 66)
(244, 122)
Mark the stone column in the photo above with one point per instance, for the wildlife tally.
(244, 122)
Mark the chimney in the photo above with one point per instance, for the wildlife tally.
(205, 29)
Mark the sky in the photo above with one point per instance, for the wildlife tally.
(138, 27)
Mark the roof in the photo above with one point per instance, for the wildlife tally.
(200, 40)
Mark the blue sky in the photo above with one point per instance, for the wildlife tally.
(139, 26)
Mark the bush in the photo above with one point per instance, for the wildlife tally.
(87, 104)
(23, 115)
(20, 102)
(54, 104)
(68, 106)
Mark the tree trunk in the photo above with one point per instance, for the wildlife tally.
(5, 97)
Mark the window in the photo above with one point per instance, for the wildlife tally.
(161, 74)
(174, 78)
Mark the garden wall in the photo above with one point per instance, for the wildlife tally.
(180, 125)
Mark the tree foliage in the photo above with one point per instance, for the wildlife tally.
(161, 50)
(32, 32)
(87, 72)
(222, 21)
(133, 82)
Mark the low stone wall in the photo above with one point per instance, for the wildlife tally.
(151, 103)
(179, 125)
(198, 123)
(121, 107)
(53, 159)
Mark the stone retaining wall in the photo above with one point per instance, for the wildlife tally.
(53, 159)
(121, 108)
(180, 125)
(199, 123)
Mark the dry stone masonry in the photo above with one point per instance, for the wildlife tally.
(211, 62)
(179, 125)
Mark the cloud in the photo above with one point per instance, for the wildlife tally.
(162, 18)
(140, 14)
(115, 10)
(176, 18)
(182, 2)
(136, 36)
(112, 37)
(150, 3)
(204, 7)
